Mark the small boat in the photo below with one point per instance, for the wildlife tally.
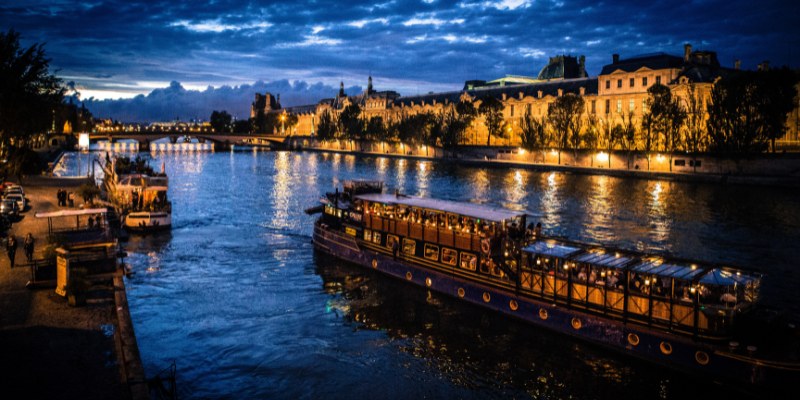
(148, 221)
(693, 316)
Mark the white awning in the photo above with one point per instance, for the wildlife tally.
(71, 213)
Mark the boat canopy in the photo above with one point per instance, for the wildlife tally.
(464, 209)
(603, 259)
(656, 266)
(721, 277)
(551, 249)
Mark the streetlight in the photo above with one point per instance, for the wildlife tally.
(283, 119)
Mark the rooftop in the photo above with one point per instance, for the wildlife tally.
(478, 211)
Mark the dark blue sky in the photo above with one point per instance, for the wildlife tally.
(114, 49)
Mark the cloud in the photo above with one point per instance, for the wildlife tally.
(217, 26)
(176, 101)
(363, 22)
(129, 48)
(431, 21)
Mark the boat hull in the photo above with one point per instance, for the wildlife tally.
(682, 353)
(144, 222)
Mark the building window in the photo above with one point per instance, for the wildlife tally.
(658, 80)
(631, 105)
(631, 83)
(593, 106)
(619, 83)
(608, 84)
(512, 111)
(644, 81)
(619, 106)
(608, 106)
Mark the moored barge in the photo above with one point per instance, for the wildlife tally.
(685, 314)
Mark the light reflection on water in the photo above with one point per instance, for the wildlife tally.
(236, 295)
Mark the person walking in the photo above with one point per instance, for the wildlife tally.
(11, 249)
(28, 245)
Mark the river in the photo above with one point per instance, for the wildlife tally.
(237, 297)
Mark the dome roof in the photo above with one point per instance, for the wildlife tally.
(563, 67)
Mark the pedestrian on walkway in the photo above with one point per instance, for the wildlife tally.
(11, 249)
(28, 245)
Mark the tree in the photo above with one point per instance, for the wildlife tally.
(350, 123)
(664, 117)
(29, 94)
(695, 137)
(592, 137)
(777, 98)
(627, 134)
(535, 133)
(747, 110)
(492, 111)
(327, 125)
(241, 126)
(220, 121)
(565, 118)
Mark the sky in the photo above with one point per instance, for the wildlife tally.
(181, 59)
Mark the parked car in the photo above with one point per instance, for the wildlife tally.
(13, 188)
(20, 199)
(9, 208)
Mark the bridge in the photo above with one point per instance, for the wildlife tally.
(224, 140)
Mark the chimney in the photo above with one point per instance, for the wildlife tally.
(687, 51)
(737, 65)
(521, 95)
(582, 61)
(560, 92)
(539, 94)
(615, 58)
(582, 90)
(504, 97)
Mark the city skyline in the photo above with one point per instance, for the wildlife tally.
(119, 50)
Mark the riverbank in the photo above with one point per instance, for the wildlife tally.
(786, 175)
(49, 349)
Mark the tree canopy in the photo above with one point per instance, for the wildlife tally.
(29, 93)
(492, 111)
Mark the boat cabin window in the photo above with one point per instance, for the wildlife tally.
(409, 246)
(431, 252)
(376, 237)
(367, 235)
(469, 261)
(449, 256)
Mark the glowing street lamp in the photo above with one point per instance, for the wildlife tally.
(283, 120)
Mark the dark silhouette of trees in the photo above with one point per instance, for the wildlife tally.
(29, 94)
(327, 125)
(220, 121)
(492, 111)
(747, 110)
(350, 123)
(627, 135)
(240, 126)
(564, 115)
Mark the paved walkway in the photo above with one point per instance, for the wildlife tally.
(47, 348)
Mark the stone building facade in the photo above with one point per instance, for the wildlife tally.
(620, 90)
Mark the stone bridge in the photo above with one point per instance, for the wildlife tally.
(220, 140)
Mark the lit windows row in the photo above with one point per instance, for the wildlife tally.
(632, 82)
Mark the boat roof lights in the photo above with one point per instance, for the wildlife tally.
(551, 249)
(455, 207)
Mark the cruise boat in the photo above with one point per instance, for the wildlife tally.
(697, 317)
